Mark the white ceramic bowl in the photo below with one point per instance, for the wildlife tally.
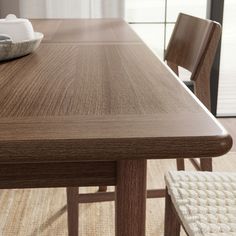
(13, 50)
(17, 28)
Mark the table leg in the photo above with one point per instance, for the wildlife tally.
(72, 210)
(131, 198)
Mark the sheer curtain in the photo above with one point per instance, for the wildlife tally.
(63, 8)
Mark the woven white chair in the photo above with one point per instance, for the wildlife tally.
(204, 203)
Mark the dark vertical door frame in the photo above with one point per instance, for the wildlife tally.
(165, 28)
(215, 11)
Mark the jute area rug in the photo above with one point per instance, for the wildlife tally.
(42, 212)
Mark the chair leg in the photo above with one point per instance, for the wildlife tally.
(180, 164)
(206, 164)
(102, 189)
(171, 224)
(72, 211)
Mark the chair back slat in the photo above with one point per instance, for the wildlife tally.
(193, 45)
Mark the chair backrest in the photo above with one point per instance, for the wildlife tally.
(193, 45)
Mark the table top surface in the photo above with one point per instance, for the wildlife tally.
(94, 91)
(86, 31)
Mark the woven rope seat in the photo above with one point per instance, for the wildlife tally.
(204, 201)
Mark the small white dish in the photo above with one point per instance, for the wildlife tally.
(18, 29)
(11, 50)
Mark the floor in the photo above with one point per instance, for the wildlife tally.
(42, 212)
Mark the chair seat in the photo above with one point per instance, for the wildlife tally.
(204, 201)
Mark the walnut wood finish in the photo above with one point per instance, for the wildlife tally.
(86, 31)
(94, 92)
(102, 189)
(72, 211)
(100, 102)
(180, 164)
(172, 224)
(37, 175)
(193, 46)
(128, 197)
(110, 196)
(82, 142)
(202, 165)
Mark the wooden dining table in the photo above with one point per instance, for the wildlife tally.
(89, 107)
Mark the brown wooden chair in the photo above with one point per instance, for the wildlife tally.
(192, 46)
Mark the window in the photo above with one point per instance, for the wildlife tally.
(153, 20)
(227, 80)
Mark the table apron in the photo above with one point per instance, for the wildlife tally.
(72, 174)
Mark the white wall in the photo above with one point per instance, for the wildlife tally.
(7, 6)
(63, 8)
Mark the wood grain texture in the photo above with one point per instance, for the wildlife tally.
(102, 189)
(130, 144)
(42, 212)
(189, 42)
(171, 224)
(93, 91)
(72, 211)
(202, 80)
(180, 164)
(130, 193)
(193, 45)
(110, 196)
(85, 31)
(38, 175)
(105, 102)
(90, 80)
